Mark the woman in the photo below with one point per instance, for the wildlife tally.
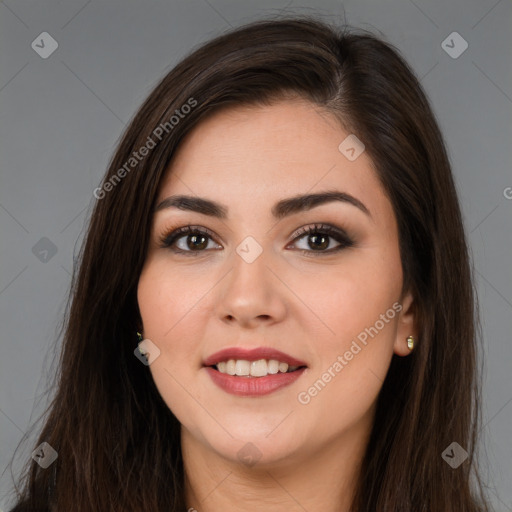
(273, 308)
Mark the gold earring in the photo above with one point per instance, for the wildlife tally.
(410, 342)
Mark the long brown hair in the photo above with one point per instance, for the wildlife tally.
(118, 443)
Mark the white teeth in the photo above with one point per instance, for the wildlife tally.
(242, 367)
(230, 367)
(273, 366)
(259, 368)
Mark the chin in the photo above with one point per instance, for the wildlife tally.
(257, 449)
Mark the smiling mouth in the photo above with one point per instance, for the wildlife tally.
(258, 368)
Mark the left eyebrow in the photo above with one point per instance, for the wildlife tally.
(281, 209)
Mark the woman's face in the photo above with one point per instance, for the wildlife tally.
(253, 279)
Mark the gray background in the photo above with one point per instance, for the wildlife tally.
(61, 117)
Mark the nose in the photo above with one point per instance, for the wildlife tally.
(252, 293)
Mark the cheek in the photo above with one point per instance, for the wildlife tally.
(351, 367)
(172, 320)
(168, 300)
(351, 298)
(359, 305)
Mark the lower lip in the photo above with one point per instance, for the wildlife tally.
(253, 386)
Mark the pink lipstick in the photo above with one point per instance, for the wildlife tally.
(253, 372)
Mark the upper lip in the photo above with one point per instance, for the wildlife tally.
(252, 355)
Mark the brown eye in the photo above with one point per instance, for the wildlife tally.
(319, 239)
(188, 239)
(197, 241)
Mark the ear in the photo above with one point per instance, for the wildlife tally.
(406, 326)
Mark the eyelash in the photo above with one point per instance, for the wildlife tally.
(167, 240)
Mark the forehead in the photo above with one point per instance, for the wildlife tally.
(246, 154)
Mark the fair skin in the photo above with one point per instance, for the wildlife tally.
(311, 306)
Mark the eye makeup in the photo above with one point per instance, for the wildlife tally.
(317, 232)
